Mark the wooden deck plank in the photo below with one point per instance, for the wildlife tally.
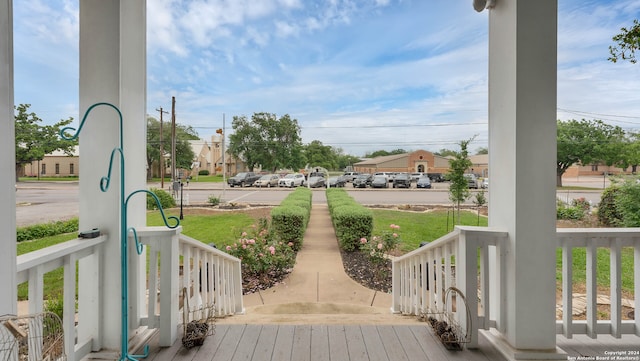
(373, 343)
(229, 344)
(247, 344)
(582, 345)
(266, 343)
(301, 350)
(211, 344)
(284, 343)
(319, 343)
(355, 343)
(428, 343)
(337, 343)
(409, 344)
(392, 343)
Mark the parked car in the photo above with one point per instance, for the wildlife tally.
(292, 180)
(402, 180)
(350, 176)
(362, 180)
(267, 180)
(424, 182)
(336, 182)
(436, 177)
(388, 175)
(316, 180)
(485, 183)
(472, 180)
(243, 179)
(379, 181)
(415, 176)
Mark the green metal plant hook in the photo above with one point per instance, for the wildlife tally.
(124, 229)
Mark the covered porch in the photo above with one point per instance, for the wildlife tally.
(510, 266)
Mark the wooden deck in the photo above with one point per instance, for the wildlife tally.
(320, 342)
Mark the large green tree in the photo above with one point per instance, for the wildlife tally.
(33, 140)
(184, 153)
(320, 155)
(268, 141)
(587, 142)
(382, 153)
(458, 166)
(628, 41)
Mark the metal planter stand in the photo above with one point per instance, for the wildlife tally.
(124, 229)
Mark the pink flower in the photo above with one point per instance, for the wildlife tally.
(375, 238)
(394, 226)
(379, 245)
(260, 255)
(244, 234)
(228, 248)
(251, 241)
(395, 235)
(244, 246)
(363, 240)
(290, 244)
(272, 249)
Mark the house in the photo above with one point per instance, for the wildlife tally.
(54, 164)
(513, 299)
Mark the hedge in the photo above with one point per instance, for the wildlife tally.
(289, 220)
(351, 220)
(46, 230)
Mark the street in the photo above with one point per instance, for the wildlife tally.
(41, 202)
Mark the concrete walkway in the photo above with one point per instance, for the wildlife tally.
(318, 287)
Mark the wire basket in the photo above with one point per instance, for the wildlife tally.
(32, 337)
(444, 323)
(198, 321)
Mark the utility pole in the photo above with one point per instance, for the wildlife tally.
(173, 139)
(162, 166)
(224, 161)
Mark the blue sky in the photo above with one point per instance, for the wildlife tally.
(360, 75)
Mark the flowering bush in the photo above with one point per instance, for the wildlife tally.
(262, 255)
(379, 247)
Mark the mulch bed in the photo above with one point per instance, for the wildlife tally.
(357, 266)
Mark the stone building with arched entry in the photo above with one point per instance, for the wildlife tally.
(417, 161)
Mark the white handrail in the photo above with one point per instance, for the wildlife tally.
(32, 267)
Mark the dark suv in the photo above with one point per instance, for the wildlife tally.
(402, 180)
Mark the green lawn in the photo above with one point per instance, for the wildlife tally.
(415, 227)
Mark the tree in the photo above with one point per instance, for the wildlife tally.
(585, 142)
(628, 42)
(631, 152)
(184, 153)
(346, 160)
(34, 141)
(382, 153)
(268, 141)
(482, 150)
(459, 187)
(446, 152)
(321, 155)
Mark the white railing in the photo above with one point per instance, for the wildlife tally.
(591, 239)
(173, 261)
(31, 268)
(460, 259)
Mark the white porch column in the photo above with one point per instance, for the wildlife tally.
(522, 154)
(8, 301)
(113, 70)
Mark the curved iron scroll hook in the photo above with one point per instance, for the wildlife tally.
(165, 219)
(84, 118)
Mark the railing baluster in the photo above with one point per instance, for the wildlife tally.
(592, 288)
(615, 279)
(567, 289)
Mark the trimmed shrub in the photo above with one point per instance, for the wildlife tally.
(166, 200)
(46, 230)
(627, 203)
(289, 220)
(203, 172)
(351, 220)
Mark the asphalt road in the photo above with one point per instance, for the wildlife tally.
(41, 202)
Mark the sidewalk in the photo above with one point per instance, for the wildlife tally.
(318, 286)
